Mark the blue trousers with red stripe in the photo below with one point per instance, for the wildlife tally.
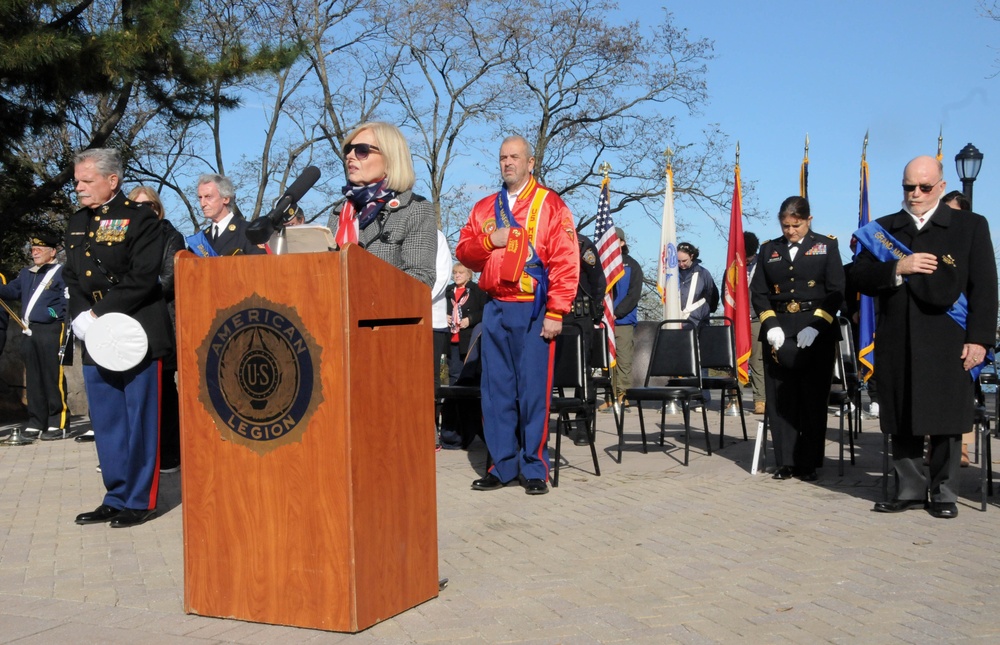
(516, 390)
(125, 414)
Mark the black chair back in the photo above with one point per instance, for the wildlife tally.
(568, 369)
(599, 358)
(849, 352)
(717, 344)
(674, 353)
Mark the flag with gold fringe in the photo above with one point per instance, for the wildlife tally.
(736, 305)
(866, 304)
(668, 280)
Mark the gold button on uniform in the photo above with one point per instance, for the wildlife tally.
(87, 274)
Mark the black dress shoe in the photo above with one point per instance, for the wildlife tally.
(536, 487)
(782, 473)
(53, 434)
(99, 515)
(489, 482)
(84, 438)
(132, 517)
(75, 433)
(898, 505)
(810, 476)
(944, 510)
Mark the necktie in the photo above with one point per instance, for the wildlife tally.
(215, 232)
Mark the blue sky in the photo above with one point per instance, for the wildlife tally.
(900, 69)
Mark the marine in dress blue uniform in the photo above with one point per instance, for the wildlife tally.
(114, 250)
(42, 292)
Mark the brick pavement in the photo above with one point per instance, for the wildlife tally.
(650, 552)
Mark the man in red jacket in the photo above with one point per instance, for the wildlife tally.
(522, 240)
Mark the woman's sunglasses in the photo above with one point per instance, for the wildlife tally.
(360, 150)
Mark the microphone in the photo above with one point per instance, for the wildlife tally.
(261, 229)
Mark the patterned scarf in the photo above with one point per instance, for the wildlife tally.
(363, 205)
(456, 308)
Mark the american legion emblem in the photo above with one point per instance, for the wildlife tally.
(260, 368)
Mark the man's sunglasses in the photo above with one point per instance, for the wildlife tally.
(924, 188)
(360, 150)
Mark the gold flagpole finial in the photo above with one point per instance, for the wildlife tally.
(737, 153)
(864, 147)
(806, 154)
(669, 154)
(940, 155)
(605, 169)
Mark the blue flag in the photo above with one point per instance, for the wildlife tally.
(866, 304)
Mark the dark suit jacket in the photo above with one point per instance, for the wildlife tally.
(922, 386)
(233, 240)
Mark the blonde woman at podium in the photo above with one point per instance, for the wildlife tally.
(382, 214)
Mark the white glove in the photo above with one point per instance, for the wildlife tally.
(82, 323)
(776, 338)
(806, 337)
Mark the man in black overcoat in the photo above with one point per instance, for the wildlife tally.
(923, 357)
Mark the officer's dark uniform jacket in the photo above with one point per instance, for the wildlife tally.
(233, 239)
(811, 288)
(113, 259)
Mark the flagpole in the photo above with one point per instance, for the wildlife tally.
(10, 312)
(804, 171)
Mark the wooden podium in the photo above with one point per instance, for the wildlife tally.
(307, 439)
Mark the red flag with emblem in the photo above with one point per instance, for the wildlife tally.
(737, 298)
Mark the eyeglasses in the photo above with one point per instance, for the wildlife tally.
(924, 188)
(360, 150)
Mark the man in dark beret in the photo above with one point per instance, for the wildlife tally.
(933, 271)
(42, 293)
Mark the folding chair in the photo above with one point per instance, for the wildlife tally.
(674, 356)
(983, 420)
(717, 349)
(570, 384)
(600, 359)
(460, 402)
(845, 391)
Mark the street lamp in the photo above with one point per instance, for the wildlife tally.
(967, 163)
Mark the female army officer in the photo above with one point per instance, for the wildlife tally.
(796, 291)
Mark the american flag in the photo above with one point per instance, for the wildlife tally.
(611, 260)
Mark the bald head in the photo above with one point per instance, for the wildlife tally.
(923, 185)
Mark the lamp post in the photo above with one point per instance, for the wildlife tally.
(968, 162)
